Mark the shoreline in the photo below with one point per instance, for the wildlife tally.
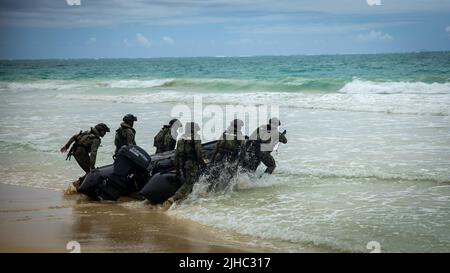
(41, 220)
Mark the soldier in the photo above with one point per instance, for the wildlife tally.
(166, 139)
(188, 160)
(84, 149)
(227, 156)
(267, 138)
(125, 134)
(229, 145)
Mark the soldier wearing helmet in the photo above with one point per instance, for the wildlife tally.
(125, 135)
(266, 138)
(84, 148)
(228, 147)
(188, 160)
(166, 138)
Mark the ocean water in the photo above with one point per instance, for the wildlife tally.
(367, 159)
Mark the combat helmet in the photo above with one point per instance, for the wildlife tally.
(275, 121)
(129, 118)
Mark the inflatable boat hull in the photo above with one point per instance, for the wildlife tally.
(160, 187)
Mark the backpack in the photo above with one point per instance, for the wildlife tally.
(158, 141)
(119, 138)
(78, 142)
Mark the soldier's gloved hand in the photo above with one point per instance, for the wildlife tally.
(63, 149)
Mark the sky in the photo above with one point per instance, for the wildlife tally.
(39, 29)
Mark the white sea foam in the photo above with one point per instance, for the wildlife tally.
(356, 96)
(369, 87)
(38, 85)
(131, 84)
(320, 215)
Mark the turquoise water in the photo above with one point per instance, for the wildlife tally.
(368, 157)
(324, 73)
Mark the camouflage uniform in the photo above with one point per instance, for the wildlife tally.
(188, 160)
(228, 147)
(263, 137)
(124, 136)
(164, 141)
(84, 149)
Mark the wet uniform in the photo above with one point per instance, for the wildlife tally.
(228, 147)
(263, 136)
(188, 160)
(84, 149)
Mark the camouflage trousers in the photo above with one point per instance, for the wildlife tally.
(84, 161)
(191, 175)
(268, 160)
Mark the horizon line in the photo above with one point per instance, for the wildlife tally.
(223, 56)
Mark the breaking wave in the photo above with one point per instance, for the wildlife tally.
(369, 87)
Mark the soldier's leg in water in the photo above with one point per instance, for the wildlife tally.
(254, 161)
(191, 176)
(84, 161)
(268, 160)
(232, 166)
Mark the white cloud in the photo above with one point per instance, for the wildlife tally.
(91, 41)
(168, 40)
(374, 36)
(127, 43)
(373, 2)
(143, 41)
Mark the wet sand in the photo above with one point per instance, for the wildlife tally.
(39, 220)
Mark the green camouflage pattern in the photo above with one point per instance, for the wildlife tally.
(125, 135)
(164, 141)
(188, 160)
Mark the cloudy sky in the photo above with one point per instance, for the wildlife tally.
(171, 28)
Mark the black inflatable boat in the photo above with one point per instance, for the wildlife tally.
(152, 177)
(134, 170)
(128, 174)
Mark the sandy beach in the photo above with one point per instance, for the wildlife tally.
(40, 220)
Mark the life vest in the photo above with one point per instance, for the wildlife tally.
(120, 138)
